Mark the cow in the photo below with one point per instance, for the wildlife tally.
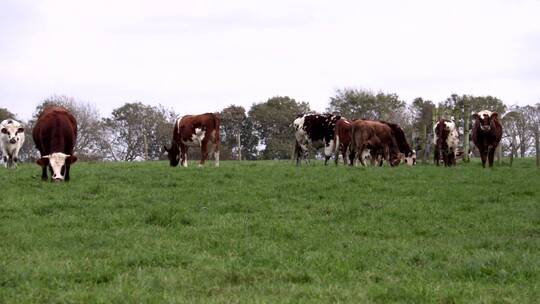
(11, 141)
(409, 155)
(316, 130)
(343, 139)
(194, 131)
(446, 141)
(486, 134)
(376, 136)
(55, 135)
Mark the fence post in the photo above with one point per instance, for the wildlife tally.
(425, 143)
(537, 144)
(239, 146)
(466, 143)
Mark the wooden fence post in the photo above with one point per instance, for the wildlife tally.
(537, 144)
(466, 135)
(239, 146)
(424, 143)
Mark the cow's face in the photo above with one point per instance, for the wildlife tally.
(13, 133)
(173, 154)
(410, 160)
(58, 162)
(484, 119)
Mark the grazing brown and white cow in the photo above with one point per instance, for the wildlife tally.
(343, 139)
(316, 130)
(195, 131)
(55, 134)
(375, 136)
(11, 141)
(486, 134)
(446, 141)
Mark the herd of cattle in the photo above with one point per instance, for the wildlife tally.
(358, 141)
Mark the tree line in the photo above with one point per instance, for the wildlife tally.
(136, 131)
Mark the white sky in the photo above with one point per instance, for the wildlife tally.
(198, 56)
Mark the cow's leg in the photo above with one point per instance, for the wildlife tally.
(297, 153)
(5, 160)
(204, 152)
(329, 148)
(491, 155)
(10, 161)
(336, 154)
(436, 156)
(215, 152)
(352, 156)
(183, 155)
(44, 173)
(483, 156)
(16, 155)
(66, 176)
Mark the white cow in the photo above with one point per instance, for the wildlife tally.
(11, 140)
(446, 141)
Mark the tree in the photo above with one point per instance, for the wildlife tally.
(5, 114)
(355, 103)
(250, 140)
(137, 132)
(232, 119)
(272, 121)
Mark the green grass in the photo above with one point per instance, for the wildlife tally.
(269, 232)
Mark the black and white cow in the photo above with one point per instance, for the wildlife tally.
(11, 141)
(316, 130)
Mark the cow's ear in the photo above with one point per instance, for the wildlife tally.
(71, 159)
(20, 130)
(42, 161)
(494, 115)
(475, 116)
(4, 130)
(165, 148)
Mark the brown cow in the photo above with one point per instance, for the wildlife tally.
(409, 155)
(55, 134)
(375, 136)
(486, 134)
(194, 131)
(343, 139)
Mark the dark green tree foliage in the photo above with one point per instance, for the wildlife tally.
(355, 103)
(5, 114)
(272, 121)
(250, 140)
(232, 120)
(137, 131)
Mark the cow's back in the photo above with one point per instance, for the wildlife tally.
(55, 131)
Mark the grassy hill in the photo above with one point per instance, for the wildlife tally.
(260, 232)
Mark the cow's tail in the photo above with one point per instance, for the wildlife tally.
(217, 124)
(352, 146)
(336, 136)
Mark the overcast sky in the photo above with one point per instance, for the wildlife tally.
(199, 56)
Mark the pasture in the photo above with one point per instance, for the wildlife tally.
(269, 232)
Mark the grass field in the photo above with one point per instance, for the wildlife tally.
(269, 232)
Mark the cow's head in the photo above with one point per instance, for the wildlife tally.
(410, 158)
(298, 122)
(173, 153)
(58, 162)
(484, 119)
(12, 131)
